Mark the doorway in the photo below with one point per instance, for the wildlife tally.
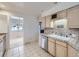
(16, 32)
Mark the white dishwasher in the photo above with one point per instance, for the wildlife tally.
(43, 42)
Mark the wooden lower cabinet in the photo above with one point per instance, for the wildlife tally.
(61, 51)
(51, 47)
(71, 52)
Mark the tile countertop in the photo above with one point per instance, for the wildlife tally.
(74, 43)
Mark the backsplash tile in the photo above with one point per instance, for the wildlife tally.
(49, 31)
(63, 31)
(74, 31)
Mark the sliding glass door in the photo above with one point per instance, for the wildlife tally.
(16, 31)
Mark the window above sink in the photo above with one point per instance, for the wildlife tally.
(60, 24)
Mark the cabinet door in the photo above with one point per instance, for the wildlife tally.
(71, 52)
(3, 24)
(48, 21)
(51, 48)
(73, 17)
(61, 51)
(52, 23)
(61, 14)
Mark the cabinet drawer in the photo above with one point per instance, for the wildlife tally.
(61, 43)
(51, 40)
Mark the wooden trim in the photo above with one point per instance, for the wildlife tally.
(55, 47)
(67, 49)
(47, 51)
(51, 54)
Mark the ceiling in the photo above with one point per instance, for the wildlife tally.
(28, 8)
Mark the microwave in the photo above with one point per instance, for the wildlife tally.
(61, 23)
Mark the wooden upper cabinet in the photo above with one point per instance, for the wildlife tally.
(62, 14)
(71, 52)
(48, 21)
(73, 17)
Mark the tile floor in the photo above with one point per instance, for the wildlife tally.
(28, 50)
(16, 42)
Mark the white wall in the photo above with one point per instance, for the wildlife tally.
(31, 29)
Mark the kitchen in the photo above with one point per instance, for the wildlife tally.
(59, 34)
(51, 29)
